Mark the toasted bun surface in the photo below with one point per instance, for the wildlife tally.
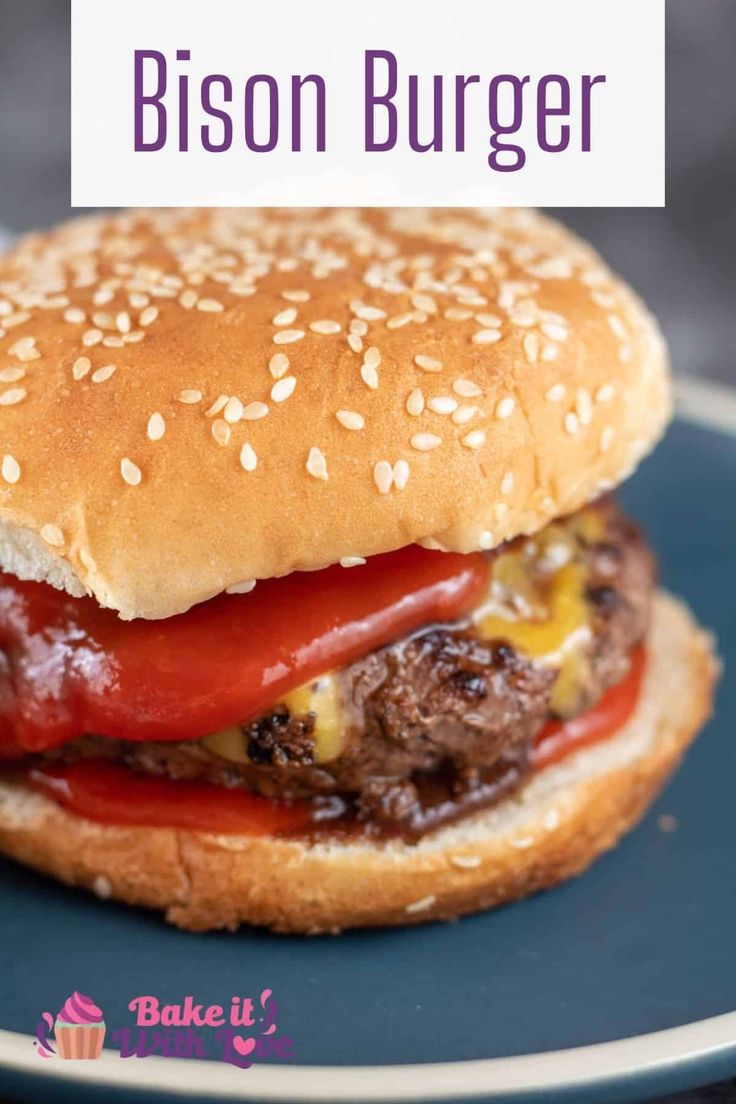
(552, 829)
(536, 379)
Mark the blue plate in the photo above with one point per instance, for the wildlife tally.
(614, 987)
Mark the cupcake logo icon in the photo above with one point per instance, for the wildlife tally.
(78, 1030)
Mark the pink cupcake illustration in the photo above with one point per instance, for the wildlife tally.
(79, 1029)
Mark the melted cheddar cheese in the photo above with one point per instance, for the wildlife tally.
(537, 602)
(321, 698)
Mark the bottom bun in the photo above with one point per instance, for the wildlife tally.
(550, 830)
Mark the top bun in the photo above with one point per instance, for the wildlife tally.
(192, 399)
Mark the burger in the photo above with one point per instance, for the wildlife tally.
(317, 609)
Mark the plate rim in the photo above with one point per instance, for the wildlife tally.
(700, 1044)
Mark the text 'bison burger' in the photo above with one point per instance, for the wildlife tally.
(317, 611)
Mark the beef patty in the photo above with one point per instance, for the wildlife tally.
(449, 711)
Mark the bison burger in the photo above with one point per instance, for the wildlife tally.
(317, 611)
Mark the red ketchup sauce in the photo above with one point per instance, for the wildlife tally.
(611, 712)
(68, 667)
(110, 793)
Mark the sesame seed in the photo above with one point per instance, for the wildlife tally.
(428, 363)
(53, 535)
(605, 393)
(285, 317)
(317, 464)
(606, 439)
(383, 476)
(112, 342)
(254, 411)
(554, 331)
(16, 319)
(296, 296)
(466, 389)
(74, 314)
(415, 402)
(556, 393)
(505, 408)
(366, 313)
(10, 469)
(350, 420)
(122, 321)
(369, 375)
(81, 367)
(101, 375)
(13, 396)
(465, 862)
(283, 389)
(11, 375)
(550, 351)
(92, 337)
(189, 396)
(102, 319)
(355, 342)
(425, 442)
(147, 316)
(156, 427)
(399, 320)
(325, 326)
(130, 472)
(287, 337)
(244, 587)
(352, 561)
(372, 357)
(422, 905)
(617, 325)
(489, 321)
(583, 406)
(221, 432)
(442, 404)
(401, 474)
(464, 414)
(458, 314)
(531, 347)
(486, 337)
(233, 410)
(210, 306)
(25, 349)
(485, 540)
(571, 423)
(357, 326)
(507, 483)
(475, 439)
(217, 407)
(188, 299)
(278, 365)
(248, 458)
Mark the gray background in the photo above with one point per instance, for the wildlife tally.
(680, 258)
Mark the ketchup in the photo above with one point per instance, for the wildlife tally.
(110, 793)
(611, 712)
(68, 667)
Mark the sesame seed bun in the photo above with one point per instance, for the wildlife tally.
(190, 400)
(552, 829)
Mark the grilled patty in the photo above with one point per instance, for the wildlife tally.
(444, 713)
